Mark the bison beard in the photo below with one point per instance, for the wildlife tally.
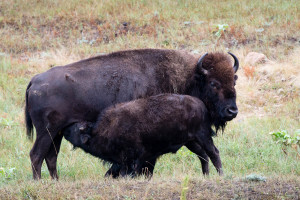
(134, 133)
(78, 92)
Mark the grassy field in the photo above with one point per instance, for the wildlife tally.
(37, 35)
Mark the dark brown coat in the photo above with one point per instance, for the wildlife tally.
(131, 134)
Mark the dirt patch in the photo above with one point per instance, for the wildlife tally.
(275, 188)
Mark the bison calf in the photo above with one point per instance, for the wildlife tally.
(138, 132)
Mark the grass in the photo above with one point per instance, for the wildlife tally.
(195, 188)
(91, 26)
(36, 36)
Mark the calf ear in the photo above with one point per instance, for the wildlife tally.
(84, 138)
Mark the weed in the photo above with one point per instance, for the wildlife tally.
(284, 139)
(184, 188)
(7, 173)
(221, 28)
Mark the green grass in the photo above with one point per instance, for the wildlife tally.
(35, 36)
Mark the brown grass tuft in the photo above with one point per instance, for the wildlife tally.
(249, 71)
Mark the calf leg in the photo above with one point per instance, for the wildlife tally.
(213, 153)
(196, 148)
(51, 157)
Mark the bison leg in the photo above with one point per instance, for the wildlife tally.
(148, 168)
(213, 153)
(51, 157)
(126, 170)
(114, 171)
(39, 151)
(196, 148)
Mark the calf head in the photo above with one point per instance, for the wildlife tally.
(214, 81)
(79, 133)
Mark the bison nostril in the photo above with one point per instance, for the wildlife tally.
(232, 111)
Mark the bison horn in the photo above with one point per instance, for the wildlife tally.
(199, 64)
(236, 62)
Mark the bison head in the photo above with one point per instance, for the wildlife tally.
(78, 133)
(213, 82)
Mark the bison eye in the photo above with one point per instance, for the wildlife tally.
(215, 85)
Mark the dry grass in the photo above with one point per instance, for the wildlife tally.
(270, 85)
(273, 188)
(92, 26)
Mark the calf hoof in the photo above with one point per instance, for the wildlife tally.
(220, 171)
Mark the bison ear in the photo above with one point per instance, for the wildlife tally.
(84, 138)
(235, 78)
(200, 69)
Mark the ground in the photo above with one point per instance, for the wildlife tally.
(218, 188)
(37, 35)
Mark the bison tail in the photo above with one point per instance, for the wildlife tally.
(28, 121)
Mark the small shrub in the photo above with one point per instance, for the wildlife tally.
(220, 29)
(283, 138)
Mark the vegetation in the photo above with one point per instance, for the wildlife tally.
(283, 138)
(37, 35)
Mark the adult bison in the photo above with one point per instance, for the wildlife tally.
(132, 133)
(78, 92)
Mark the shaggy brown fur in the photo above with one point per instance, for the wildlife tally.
(215, 63)
(131, 134)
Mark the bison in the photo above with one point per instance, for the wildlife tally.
(133, 133)
(79, 91)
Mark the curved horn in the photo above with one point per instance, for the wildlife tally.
(236, 62)
(199, 64)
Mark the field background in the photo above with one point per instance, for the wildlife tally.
(36, 35)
